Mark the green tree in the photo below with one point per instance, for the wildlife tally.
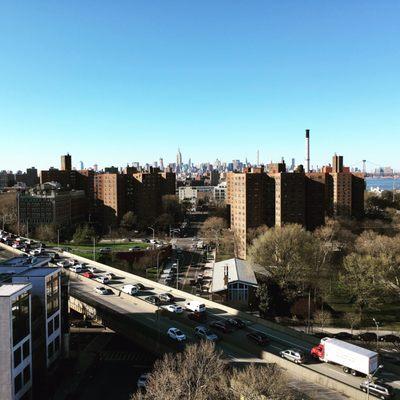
(46, 233)
(212, 229)
(84, 234)
(362, 279)
(263, 298)
(322, 318)
(171, 206)
(284, 254)
(352, 319)
(128, 221)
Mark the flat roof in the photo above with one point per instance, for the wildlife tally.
(24, 262)
(39, 271)
(8, 289)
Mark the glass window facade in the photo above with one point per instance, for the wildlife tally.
(52, 295)
(20, 318)
(25, 349)
(17, 357)
(27, 374)
(17, 383)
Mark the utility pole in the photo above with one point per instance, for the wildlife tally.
(58, 237)
(177, 273)
(309, 311)
(94, 248)
(18, 210)
(377, 332)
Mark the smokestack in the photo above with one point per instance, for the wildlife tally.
(307, 150)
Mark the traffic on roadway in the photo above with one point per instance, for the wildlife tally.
(182, 318)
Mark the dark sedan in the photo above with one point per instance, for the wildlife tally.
(258, 337)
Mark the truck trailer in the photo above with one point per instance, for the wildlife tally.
(355, 360)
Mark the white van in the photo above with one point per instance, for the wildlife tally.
(195, 306)
(130, 289)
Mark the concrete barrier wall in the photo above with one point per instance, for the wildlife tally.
(210, 304)
(309, 375)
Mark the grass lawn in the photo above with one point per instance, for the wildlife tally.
(88, 248)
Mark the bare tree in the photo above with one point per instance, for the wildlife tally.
(322, 318)
(257, 382)
(352, 319)
(199, 373)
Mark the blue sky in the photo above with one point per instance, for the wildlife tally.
(113, 82)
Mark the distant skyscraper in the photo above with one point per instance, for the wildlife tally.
(66, 163)
(161, 161)
(179, 159)
(293, 165)
(95, 167)
(82, 166)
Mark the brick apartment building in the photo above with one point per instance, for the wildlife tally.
(278, 197)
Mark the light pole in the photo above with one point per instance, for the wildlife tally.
(149, 227)
(94, 248)
(158, 261)
(371, 377)
(58, 237)
(177, 272)
(377, 332)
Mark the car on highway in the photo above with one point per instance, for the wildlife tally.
(88, 274)
(130, 289)
(92, 269)
(142, 381)
(35, 252)
(174, 308)
(166, 297)
(203, 333)
(176, 334)
(63, 264)
(236, 323)
(367, 337)
(153, 300)
(377, 389)
(140, 286)
(103, 291)
(343, 336)
(111, 276)
(294, 355)
(221, 326)
(389, 338)
(105, 250)
(76, 268)
(258, 337)
(198, 316)
(102, 279)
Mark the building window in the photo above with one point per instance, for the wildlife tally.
(52, 295)
(25, 349)
(20, 318)
(17, 383)
(17, 357)
(27, 374)
(56, 322)
(50, 327)
(57, 344)
(50, 350)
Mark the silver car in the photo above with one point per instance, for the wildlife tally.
(293, 355)
(203, 333)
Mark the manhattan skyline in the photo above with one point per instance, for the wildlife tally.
(113, 84)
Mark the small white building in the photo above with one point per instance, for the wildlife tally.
(15, 341)
(220, 193)
(233, 281)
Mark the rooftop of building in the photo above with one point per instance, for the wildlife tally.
(10, 289)
(238, 271)
(40, 271)
(22, 262)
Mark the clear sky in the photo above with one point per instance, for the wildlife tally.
(116, 81)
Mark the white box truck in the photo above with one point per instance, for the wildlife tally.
(130, 289)
(195, 306)
(355, 360)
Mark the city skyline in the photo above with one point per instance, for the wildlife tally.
(138, 80)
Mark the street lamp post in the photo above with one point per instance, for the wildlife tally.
(377, 332)
(94, 249)
(149, 227)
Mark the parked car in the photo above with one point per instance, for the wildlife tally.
(258, 337)
(130, 289)
(174, 308)
(76, 268)
(166, 297)
(111, 276)
(153, 300)
(343, 336)
(221, 326)
(102, 279)
(105, 250)
(377, 389)
(142, 381)
(203, 333)
(103, 291)
(63, 264)
(176, 334)
(88, 274)
(198, 316)
(294, 355)
(236, 323)
(367, 337)
(389, 338)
